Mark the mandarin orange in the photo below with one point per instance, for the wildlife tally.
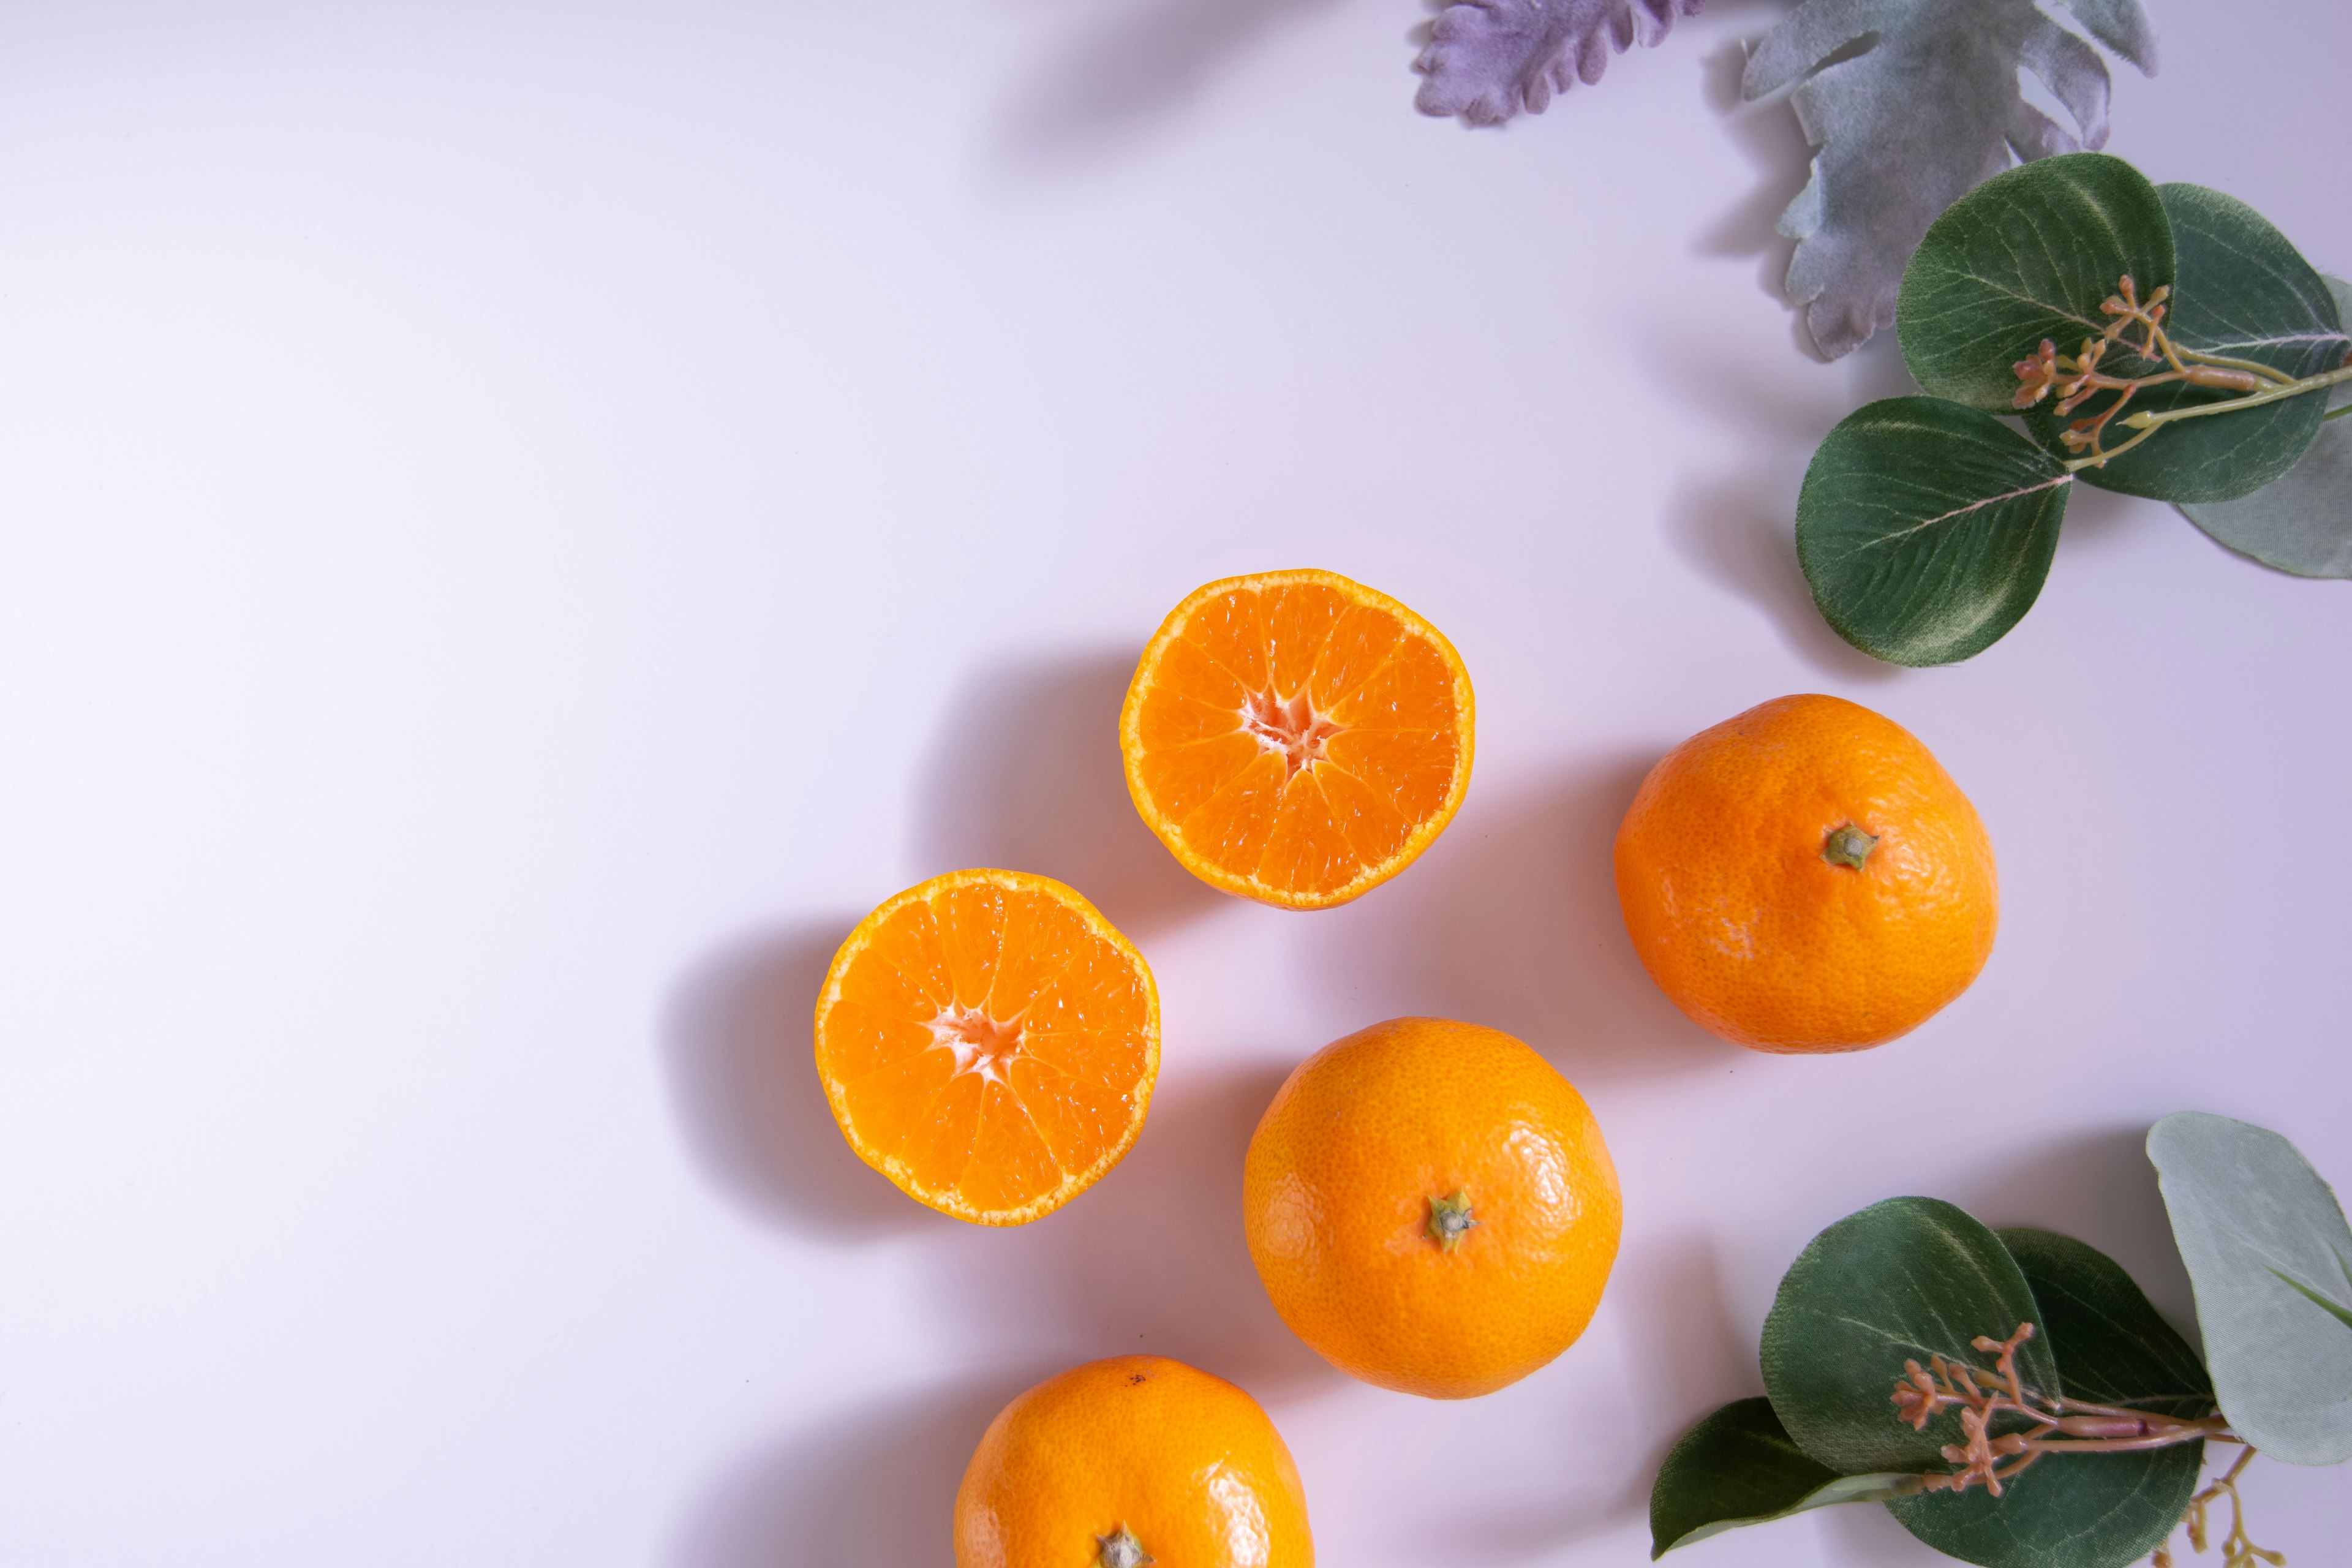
(989, 1042)
(1432, 1208)
(1297, 737)
(1133, 1460)
(1806, 878)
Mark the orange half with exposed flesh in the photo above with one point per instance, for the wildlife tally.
(1297, 737)
(989, 1042)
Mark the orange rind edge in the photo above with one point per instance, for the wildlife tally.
(1131, 742)
(895, 1169)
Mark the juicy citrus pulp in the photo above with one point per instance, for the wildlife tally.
(1126, 1461)
(989, 1042)
(1297, 737)
(1432, 1208)
(1806, 877)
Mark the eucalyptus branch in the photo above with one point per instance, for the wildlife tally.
(2058, 1425)
(2077, 378)
(2238, 1549)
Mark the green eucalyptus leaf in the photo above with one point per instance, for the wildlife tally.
(1739, 1467)
(1901, 1280)
(2026, 256)
(1925, 528)
(2262, 1234)
(2301, 521)
(2113, 1346)
(2082, 1511)
(2244, 292)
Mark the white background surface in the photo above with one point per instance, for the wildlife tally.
(519, 522)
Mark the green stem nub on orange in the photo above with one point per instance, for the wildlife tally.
(1120, 1549)
(1449, 1219)
(1848, 846)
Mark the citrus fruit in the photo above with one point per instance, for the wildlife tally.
(1806, 878)
(1132, 1460)
(1297, 737)
(989, 1042)
(1432, 1208)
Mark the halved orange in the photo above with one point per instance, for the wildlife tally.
(989, 1042)
(1297, 737)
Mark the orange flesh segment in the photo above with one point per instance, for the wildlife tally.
(989, 1042)
(1359, 754)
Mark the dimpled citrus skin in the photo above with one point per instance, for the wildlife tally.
(1185, 1463)
(1337, 1196)
(1749, 930)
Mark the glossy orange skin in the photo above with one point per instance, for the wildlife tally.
(1186, 1463)
(1337, 1192)
(1749, 930)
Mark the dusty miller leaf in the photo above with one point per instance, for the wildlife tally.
(1487, 58)
(1905, 128)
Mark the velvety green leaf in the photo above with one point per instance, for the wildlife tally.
(2082, 1511)
(2026, 256)
(1901, 1280)
(1738, 1466)
(2113, 1346)
(1925, 529)
(2247, 1209)
(2070, 1511)
(2243, 291)
(2301, 522)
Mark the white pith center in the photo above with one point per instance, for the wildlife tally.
(980, 1044)
(1292, 728)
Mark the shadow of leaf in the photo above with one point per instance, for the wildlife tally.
(1732, 532)
(1026, 776)
(1138, 64)
(2098, 1187)
(737, 1048)
(1770, 137)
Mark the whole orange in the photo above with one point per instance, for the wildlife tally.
(1806, 878)
(1432, 1208)
(1132, 1460)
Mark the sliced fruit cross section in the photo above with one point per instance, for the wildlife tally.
(989, 1042)
(1297, 737)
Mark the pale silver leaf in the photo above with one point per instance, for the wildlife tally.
(1929, 109)
(2301, 521)
(1487, 60)
(2262, 1236)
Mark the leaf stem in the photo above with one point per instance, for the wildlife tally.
(2252, 367)
(2077, 378)
(2058, 1425)
(2238, 1549)
(2148, 418)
